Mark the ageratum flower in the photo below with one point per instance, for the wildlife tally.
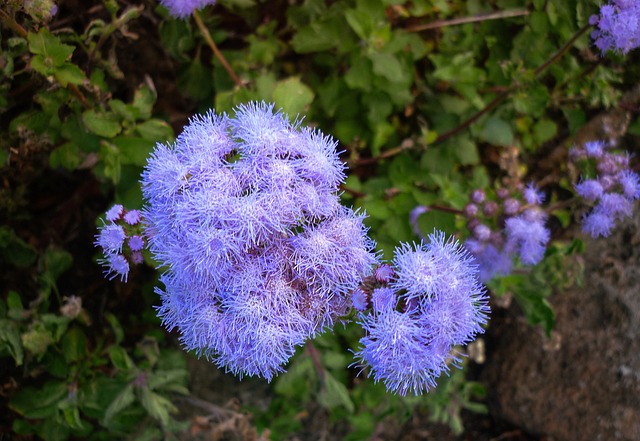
(244, 216)
(410, 342)
(617, 27)
(613, 191)
(184, 8)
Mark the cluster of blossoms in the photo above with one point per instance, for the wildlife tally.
(613, 190)
(121, 240)
(617, 27)
(416, 312)
(522, 230)
(184, 8)
(243, 215)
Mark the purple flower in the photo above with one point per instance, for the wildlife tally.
(590, 189)
(184, 8)
(408, 348)
(359, 299)
(111, 238)
(132, 217)
(114, 213)
(136, 243)
(116, 265)
(617, 27)
(243, 214)
(491, 261)
(532, 195)
(383, 299)
(383, 273)
(527, 235)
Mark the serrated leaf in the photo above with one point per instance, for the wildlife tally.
(69, 74)
(104, 124)
(49, 46)
(293, 96)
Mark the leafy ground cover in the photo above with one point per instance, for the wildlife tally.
(430, 101)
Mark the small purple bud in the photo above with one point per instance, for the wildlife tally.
(117, 265)
(359, 299)
(136, 243)
(132, 217)
(608, 166)
(502, 193)
(511, 206)
(490, 208)
(593, 20)
(594, 149)
(383, 273)
(478, 196)
(115, 212)
(137, 258)
(471, 211)
(482, 232)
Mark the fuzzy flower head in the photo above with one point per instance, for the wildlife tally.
(617, 27)
(184, 8)
(244, 216)
(410, 342)
(611, 193)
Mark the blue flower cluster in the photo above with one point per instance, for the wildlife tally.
(429, 304)
(184, 8)
(613, 190)
(121, 241)
(244, 215)
(522, 230)
(617, 27)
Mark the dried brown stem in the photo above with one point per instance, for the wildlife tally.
(463, 20)
(214, 48)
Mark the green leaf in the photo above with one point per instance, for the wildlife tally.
(496, 131)
(120, 359)
(54, 52)
(69, 74)
(388, 66)
(74, 345)
(143, 100)
(157, 406)
(106, 124)
(66, 156)
(10, 340)
(133, 150)
(14, 250)
(335, 394)
(155, 130)
(544, 130)
(39, 403)
(124, 399)
(293, 96)
(360, 21)
(116, 327)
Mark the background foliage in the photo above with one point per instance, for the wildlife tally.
(425, 108)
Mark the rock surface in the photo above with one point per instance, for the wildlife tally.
(584, 383)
